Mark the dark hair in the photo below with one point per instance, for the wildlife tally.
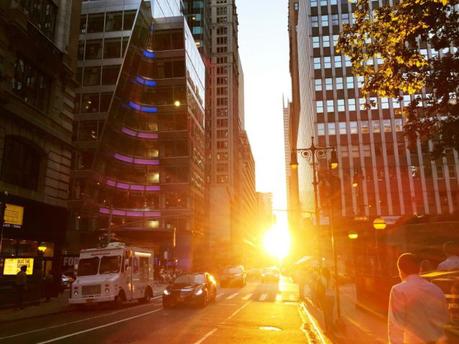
(24, 268)
(408, 263)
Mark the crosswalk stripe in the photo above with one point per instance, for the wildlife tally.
(232, 296)
(263, 297)
(248, 296)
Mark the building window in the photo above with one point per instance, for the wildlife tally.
(222, 134)
(318, 84)
(384, 103)
(222, 144)
(30, 84)
(327, 62)
(339, 83)
(319, 106)
(335, 19)
(345, 18)
(222, 123)
(317, 64)
(91, 76)
(129, 17)
(324, 20)
(112, 48)
(222, 156)
(93, 49)
(376, 127)
(326, 41)
(347, 61)
(222, 179)
(315, 21)
(338, 62)
(387, 126)
(90, 103)
(331, 129)
(96, 23)
(329, 84)
(364, 127)
(222, 168)
(42, 13)
(351, 104)
(315, 42)
(22, 163)
(222, 101)
(354, 128)
(350, 82)
(110, 74)
(320, 129)
(114, 21)
(335, 40)
(398, 124)
(342, 128)
(222, 112)
(314, 3)
(341, 106)
(330, 106)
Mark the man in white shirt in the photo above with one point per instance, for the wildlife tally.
(417, 308)
(452, 260)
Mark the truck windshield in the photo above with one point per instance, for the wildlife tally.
(109, 264)
(88, 266)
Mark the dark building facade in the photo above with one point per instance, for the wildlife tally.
(38, 44)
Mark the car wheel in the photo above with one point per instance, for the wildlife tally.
(204, 300)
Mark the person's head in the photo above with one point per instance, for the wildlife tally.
(24, 268)
(450, 248)
(426, 266)
(408, 264)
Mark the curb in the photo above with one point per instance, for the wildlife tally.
(311, 326)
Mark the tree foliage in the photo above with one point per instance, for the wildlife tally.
(393, 36)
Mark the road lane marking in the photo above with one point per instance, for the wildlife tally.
(220, 295)
(308, 318)
(99, 327)
(248, 296)
(71, 322)
(237, 311)
(232, 296)
(206, 336)
(263, 297)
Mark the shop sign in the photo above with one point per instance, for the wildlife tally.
(14, 215)
(70, 261)
(13, 265)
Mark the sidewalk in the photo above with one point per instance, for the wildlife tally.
(56, 305)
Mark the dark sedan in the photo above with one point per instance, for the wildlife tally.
(197, 289)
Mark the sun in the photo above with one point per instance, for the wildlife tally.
(277, 242)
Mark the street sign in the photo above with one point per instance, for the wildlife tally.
(14, 216)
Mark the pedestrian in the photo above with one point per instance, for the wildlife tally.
(451, 250)
(417, 308)
(21, 286)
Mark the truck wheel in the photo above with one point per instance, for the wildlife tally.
(119, 300)
(147, 297)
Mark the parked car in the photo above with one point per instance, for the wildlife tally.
(197, 289)
(270, 274)
(234, 275)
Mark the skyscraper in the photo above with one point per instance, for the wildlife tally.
(145, 174)
(379, 175)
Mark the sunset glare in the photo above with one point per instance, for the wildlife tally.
(277, 242)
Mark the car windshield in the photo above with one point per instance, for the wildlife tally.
(109, 264)
(88, 266)
(190, 279)
(235, 270)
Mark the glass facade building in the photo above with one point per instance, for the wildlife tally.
(144, 176)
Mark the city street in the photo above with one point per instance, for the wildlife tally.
(267, 313)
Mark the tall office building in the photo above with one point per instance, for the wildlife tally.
(379, 175)
(38, 44)
(224, 122)
(141, 124)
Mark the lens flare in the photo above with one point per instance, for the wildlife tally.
(277, 242)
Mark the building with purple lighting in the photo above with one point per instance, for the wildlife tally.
(139, 174)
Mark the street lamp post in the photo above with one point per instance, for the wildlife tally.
(312, 154)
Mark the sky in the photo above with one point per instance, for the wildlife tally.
(264, 50)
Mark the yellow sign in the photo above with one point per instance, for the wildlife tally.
(13, 265)
(14, 214)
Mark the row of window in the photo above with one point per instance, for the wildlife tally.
(325, 41)
(343, 128)
(333, 19)
(110, 21)
(372, 102)
(42, 13)
(327, 62)
(340, 83)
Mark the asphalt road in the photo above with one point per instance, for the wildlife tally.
(258, 313)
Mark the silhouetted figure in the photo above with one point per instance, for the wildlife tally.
(451, 250)
(417, 308)
(21, 286)
(426, 266)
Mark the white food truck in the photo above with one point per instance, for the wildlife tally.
(116, 273)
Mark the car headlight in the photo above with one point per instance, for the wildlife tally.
(166, 292)
(198, 291)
